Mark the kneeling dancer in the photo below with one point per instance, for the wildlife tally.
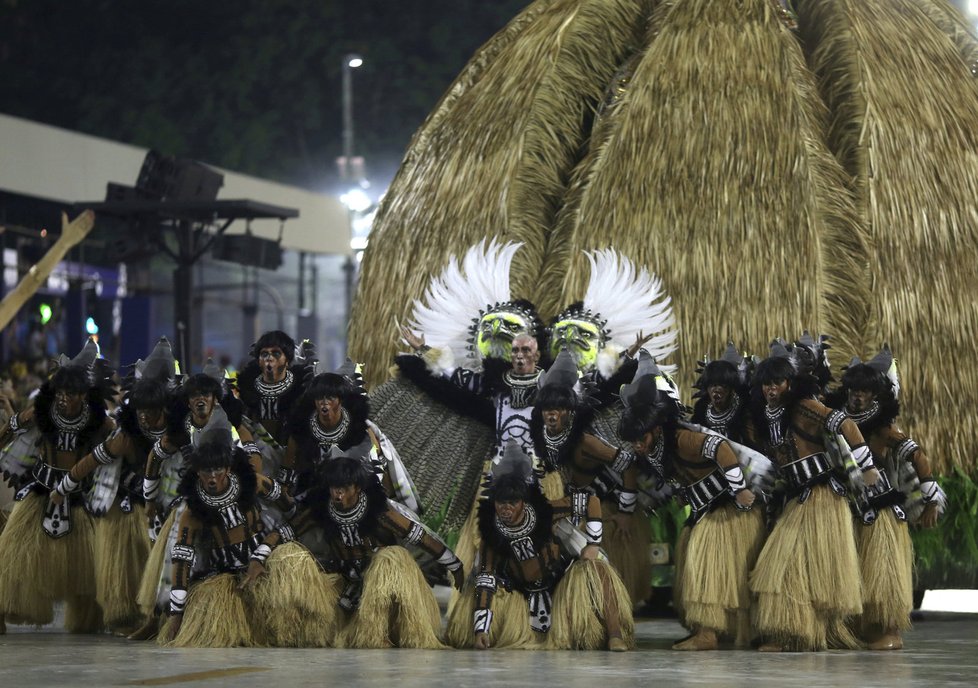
(559, 592)
(219, 596)
(379, 586)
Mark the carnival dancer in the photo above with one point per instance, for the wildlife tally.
(806, 580)
(590, 465)
(49, 547)
(193, 406)
(564, 594)
(269, 386)
(722, 394)
(335, 412)
(219, 596)
(121, 538)
(384, 595)
(720, 481)
(906, 491)
(463, 381)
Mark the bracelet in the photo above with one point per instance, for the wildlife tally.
(261, 553)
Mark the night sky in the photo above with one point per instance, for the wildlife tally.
(251, 85)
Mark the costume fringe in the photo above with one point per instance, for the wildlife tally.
(679, 575)
(897, 77)
(397, 609)
(886, 561)
(579, 608)
(83, 615)
(121, 549)
(510, 628)
(149, 584)
(806, 580)
(719, 557)
(628, 550)
(36, 570)
(294, 602)
(512, 126)
(467, 548)
(552, 485)
(216, 616)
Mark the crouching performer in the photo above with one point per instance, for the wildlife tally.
(542, 583)
(724, 534)
(229, 587)
(380, 588)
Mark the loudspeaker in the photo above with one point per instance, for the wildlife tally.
(247, 249)
(165, 178)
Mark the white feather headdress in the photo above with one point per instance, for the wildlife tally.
(456, 300)
(623, 301)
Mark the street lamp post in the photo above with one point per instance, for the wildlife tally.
(350, 62)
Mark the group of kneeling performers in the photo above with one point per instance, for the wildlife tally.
(280, 514)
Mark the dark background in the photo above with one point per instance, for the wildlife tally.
(250, 85)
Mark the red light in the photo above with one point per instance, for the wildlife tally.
(44, 233)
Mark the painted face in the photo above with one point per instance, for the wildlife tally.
(214, 480)
(150, 418)
(556, 420)
(510, 512)
(643, 445)
(582, 338)
(720, 396)
(201, 405)
(273, 363)
(328, 411)
(524, 354)
(344, 497)
(496, 332)
(860, 400)
(69, 404)
(774, 392)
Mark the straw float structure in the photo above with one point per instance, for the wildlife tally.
(776, 180)
(899, 79)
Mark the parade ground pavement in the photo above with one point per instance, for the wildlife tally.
(942, 649)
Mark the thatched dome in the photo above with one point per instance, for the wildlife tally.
(777, 180)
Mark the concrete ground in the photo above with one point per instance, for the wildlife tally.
(942, 649)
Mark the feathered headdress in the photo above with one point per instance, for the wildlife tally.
(732, 369)
(459, 299)
(620, 302)
(160, 365)
(650, 386)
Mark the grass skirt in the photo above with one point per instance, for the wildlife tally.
(397, 608)
(628, 550)
(216, 616)
(719, 555)
(510, 629)
(886, 562)
(467, 548)
(294, 603)
(149, 584)
(806, 580)
(580, 607)
(36, 570)
(679, 559)
(121, 549)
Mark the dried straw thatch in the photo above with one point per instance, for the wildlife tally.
(898, 77)
(712, 170)
(493, 157)
(714, 161)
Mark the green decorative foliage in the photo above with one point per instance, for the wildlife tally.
(947, 555)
